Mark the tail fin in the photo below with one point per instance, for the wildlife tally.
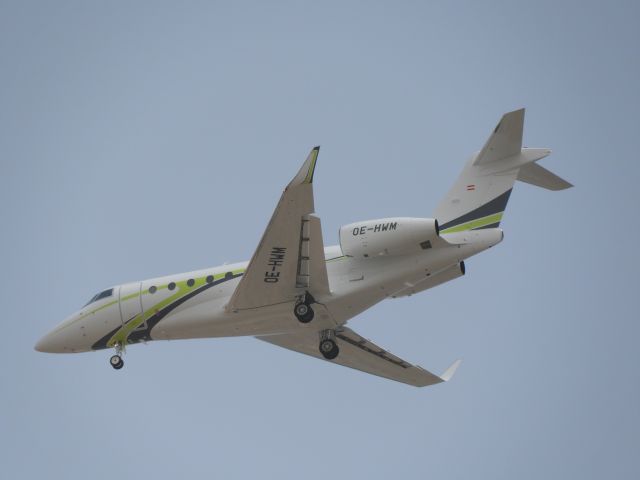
(479, 196)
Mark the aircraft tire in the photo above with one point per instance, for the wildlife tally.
(116, 362)
(329, 349)
(303, 312)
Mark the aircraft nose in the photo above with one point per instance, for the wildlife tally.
(50, 343)
(62, 339)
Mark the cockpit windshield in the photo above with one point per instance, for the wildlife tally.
(100, 296)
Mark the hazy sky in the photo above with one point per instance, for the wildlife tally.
(145, 138)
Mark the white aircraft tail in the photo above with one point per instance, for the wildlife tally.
(479, 196)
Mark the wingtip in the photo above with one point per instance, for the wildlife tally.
(516, 111)
(450, 372)
(305, 174)
(313, 157)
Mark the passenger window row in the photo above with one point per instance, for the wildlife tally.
(191, 282)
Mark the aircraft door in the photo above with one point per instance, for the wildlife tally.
(130, 301)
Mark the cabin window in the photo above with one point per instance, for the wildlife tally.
(152, 289)
(210, 279)
(171, 286)
(228, 275)
(190, 282)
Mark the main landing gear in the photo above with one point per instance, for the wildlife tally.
(116, 360)
(302, 310)
(328, 346)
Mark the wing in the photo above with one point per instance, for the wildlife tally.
(362, 354)
(289, 260)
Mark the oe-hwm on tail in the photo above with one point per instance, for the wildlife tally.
(298, 294)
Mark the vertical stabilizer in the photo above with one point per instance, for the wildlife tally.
(479, 196)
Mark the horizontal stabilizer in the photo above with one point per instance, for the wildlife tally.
(541, 177)
(478, 198)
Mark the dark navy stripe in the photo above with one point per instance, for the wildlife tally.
(145, 335)
(492, 207)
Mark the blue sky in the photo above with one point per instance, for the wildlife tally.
(145, 138)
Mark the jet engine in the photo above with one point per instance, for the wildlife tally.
(388, 236)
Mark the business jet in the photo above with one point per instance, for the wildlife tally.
(298, 294)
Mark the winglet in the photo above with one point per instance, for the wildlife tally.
(305, 175)
(449, 372)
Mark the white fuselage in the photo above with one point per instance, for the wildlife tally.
(298, 295)
(192, 305)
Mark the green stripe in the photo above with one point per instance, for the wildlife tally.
(478, 223)
(312, 167)
(180, 285)
(182, 289)
(90, 312)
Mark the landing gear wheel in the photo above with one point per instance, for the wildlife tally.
(116, 362)
(303, 312)
(329, 349)
(302, 309)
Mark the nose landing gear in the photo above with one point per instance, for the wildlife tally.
(116, 360)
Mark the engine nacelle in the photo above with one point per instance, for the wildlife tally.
(388, 236)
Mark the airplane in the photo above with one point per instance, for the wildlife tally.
(298, 294)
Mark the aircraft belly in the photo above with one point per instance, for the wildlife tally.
(209, 319)
(357, 285)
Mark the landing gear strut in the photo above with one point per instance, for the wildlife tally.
(302, 310)
(116, 360)
(328, 346)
